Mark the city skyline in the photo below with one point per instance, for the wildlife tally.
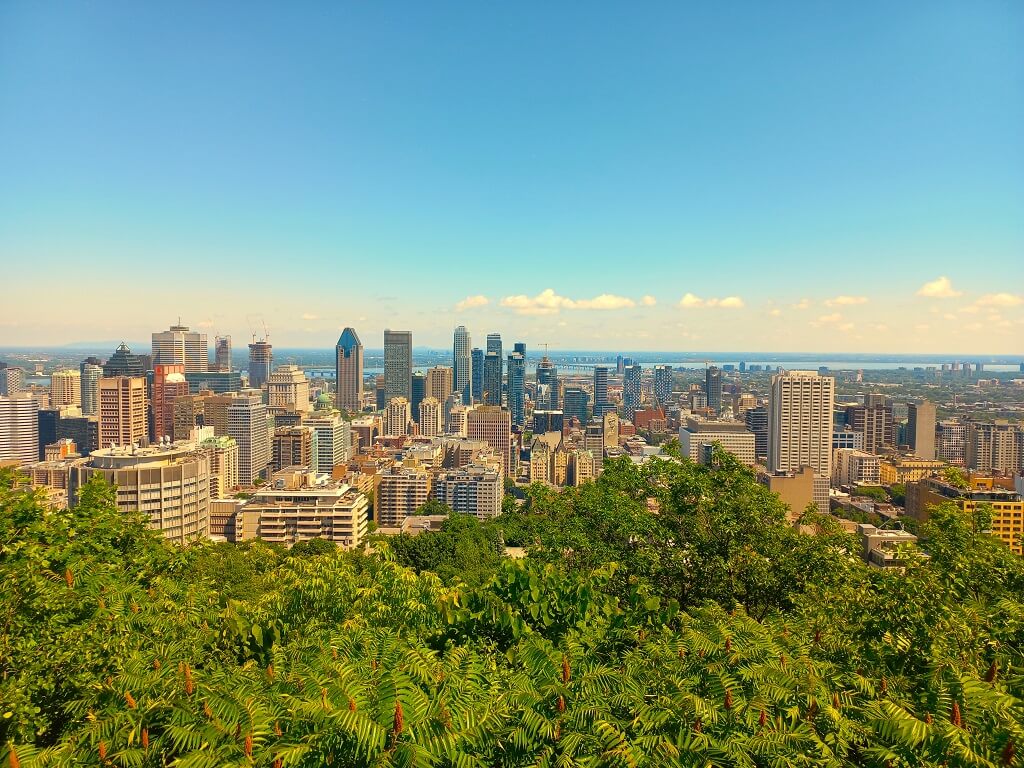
(677, 178)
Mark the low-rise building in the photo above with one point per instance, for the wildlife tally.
(852, 467)
(908, 469)
(880, 546)
(1006, 504)
(697, 434)
(474, 490)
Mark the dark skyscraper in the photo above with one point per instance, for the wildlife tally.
(713, 388)
(519, 348)
(757, 422)
(492, 378)
(631, 390)
(348, 371)
(397, 365)
(222, 353)
(663, 383)
(517, 388)
(601, 403)
(547, 376)
(124, 363)
(477, 370)
(576, 402)
(419, 391)
(261, 361)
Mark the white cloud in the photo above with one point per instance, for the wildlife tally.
(940, 288)
(1000, 300)
(803, 304)
(835, 317)
(648, 301)
(472, 302)
(922, 327)
(846, 327)
(547, 302)
(775, 312)
(308, 316)
(846, 301)
(689, 301)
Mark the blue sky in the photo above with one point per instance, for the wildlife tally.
(321, 165)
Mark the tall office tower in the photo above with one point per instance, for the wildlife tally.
(547, 375)
(288, 389)
(380, 393)
(348, 370)
(493, 425)
(419, 393)
(713, 389)
(601, 402)
(494, 344)
(462, 364)
(520, 348)
(995, 447)
(90, 372)
(83, 430)
(292, 447)
(248, 424)
(168, 385)
(875, 421)
(332, 440)
(11, 380)
(189, 413)
(663, 383)
(800, 428)
(397, 417)
(65, 388)
(180, 346)
(431, 420)
(921, 428)
(19, 428)
(631, 390)
(440, 383)
(261, 359)
(477, 374)
(397, 365)
(123, 411)
(757, 422)
(222, 354)
(492, 379)
(575, 405)
(124, 363)
(517, 388)
(951, 442)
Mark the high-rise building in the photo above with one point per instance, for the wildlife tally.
(462, 363)
(756, 420)
(400, 492)
(921, 428)
(951, 442)
(189, 413)
(800, 428)
(662, 384)
(517, 388)
(332, 440)
(431, 420)
(292, 447)
(124, 363)
(419, 393)
(123, 411)
(576, 404)
(83, 430)
(547, 377)
(397, 365)
(249, 425)
(472, 490)
(222, 354)
(713, 388)
(494, 344)
(223, 455)
(65, 388)
(19, 428)
(168, 385)
(995, 447)
(180, 346)
(493, 425)
(349, 371)
(288, 389)
(90, 372)
(261, 360)
(397, 417)
(874, 419)
(440, 383)
(631, 389)
(602, 404)
(520, 348)
(477, 370)
(11, 380)
(492, 378)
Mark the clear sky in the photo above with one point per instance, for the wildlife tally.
(632, 176)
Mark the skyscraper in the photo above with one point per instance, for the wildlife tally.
(261, 359)
(123, 408)
(348, 371)
(168, 384)
(662, 383)
(419, 392)
(517, 388)
(462, 364)
(874, 419)
(713, 388)
(440, 383)
(397, 417)
(520, 348)
(493, 425)
(601, 403)
(248, 424)
(631, 390)
(180, 346)
(492, 378)
(921, 428)
(575, 405)
(477, 373)
(431, 419)
(19, 428)
(332, 440)
(547, 376)
(222, 353)
(288, 389)
(800, 428)
(11, 380)
(124, 363)
(65, 388)
(397, 365)
(494, 343)
(90, 372)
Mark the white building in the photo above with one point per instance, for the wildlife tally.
(288, 389)
(400, 492)
(853, 467)
(180, 346)
(19, 428)
(473, 490)
(248, 421)
(397, 416)
(332, 441)
(431, 417)
(800, 427)
(697, 436)
(65, 388)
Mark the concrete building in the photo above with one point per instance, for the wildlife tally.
(631, 389)
(222, 354)
(431, 421)
(462, 363)
(602, 403)
(516, 388)
(921, 429)
(288, 389)
(713, 388)
(400, 492)
(456, 420)
(261, 360)
(299, 505)
(880, 547)
(493, 425)
(580, 467)
(397, 417)
(995, 447)
(397, 365)
(854, 467)
(473, 490)
(248, 422)
(90, 372)
(662, 384)
(697, 435)
(223, 455)
(180, 346)
(348, 371)
(1006, 505)
(123, 411)
(65, 388)
(168, 385)
(800, 428)
(12, 380)
(576, 403)
(189, 412)
(168, 484)
(951, 442)
(440, 383)
(908, 469)
(332, 440)
(609, 430)
(874, 419)
(796, 489)
(293, 447)
(19, 428)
